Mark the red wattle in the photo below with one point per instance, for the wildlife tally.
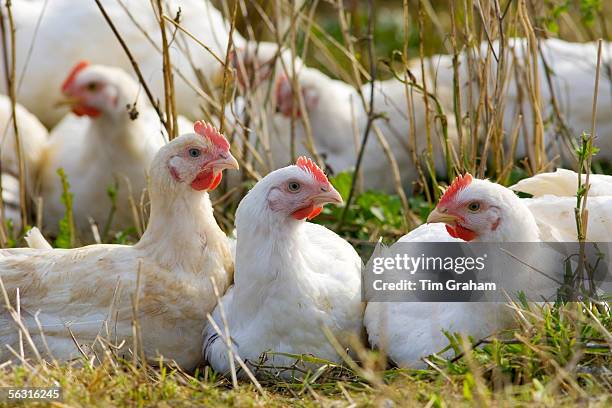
(216, 182)
(314, 213)
(302, 212)
(451, 231)
(307, 212)
(203, 180)
(460, 232)
(86, 111)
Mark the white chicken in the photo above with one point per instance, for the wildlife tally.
(33, 136)
(87, 292)
(111, 142)
(82, 32)
(337, 120)
(409, 331)
(473, 210)
(479, 211)
(554, 201)
(292, 278)
(563, 183)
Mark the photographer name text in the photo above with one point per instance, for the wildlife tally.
(428, 285)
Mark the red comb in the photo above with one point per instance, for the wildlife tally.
(81, 65)
(458, 184)
(308, 165)
(209, 131)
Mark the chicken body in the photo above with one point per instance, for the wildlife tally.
(563, 183)
(90, 291)
(572, 71)
(412, 330)
(74, 30)
(111, 149)
(556, 218)
(33, 137)
(11, 201)
(292, 279)
(407, 332)
(554, 201)
(337, 120)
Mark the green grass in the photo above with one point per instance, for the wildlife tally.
(66, 237)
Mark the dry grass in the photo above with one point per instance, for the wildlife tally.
(484, 146)
(559, 355)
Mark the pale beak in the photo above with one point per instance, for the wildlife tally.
(67, 101)
(331, 196)
(441, 216)
(225, 161)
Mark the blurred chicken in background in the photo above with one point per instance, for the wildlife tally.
(107, 142)
(70, 31)
(566, 75)
(33, 138)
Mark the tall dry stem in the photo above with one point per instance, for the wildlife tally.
(8, 42)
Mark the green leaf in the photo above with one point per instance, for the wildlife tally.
(342, 183)
(66, 234)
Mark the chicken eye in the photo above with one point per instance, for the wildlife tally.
(294, 186)
(194, 152)
(474, 206)
(92, 86)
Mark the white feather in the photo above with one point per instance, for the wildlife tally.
(556, 218)
(563, 183)
(32, 137)
(35, 239)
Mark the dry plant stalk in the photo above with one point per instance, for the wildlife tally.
(412, 142)
(368, 107)
(198, 90)
(169, 99)
(134, 63)
(10, 77)
(226, 72)
(533, 87)
(457, 88)
(584, 213)
(429, 155)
